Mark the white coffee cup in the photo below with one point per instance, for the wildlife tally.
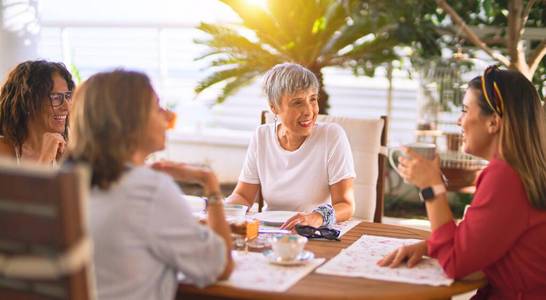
(288, 247)
(426, 150)
(235, 212)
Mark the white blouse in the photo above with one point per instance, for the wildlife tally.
(298, 180)
(144, 234)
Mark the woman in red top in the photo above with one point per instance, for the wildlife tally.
(503, 232)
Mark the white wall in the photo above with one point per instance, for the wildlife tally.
(223, 151)
(19, 29)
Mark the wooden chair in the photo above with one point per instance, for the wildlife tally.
(44, 249)
(368, 139)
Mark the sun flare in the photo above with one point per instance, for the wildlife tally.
(259, 3)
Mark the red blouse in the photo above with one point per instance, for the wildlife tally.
(501, 235)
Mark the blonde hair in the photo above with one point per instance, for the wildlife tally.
(523, 129)
(109, 116)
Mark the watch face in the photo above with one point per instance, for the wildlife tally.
(426, 194)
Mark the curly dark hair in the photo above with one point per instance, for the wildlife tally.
(23, 94)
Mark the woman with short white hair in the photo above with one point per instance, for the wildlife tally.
(298, 164)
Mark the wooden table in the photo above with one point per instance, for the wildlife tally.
(318, 286)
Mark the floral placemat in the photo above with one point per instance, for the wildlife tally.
(253, 271)
(345, 226)
(360, 260)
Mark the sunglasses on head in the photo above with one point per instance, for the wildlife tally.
(311, 232)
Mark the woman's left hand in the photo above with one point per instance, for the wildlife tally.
(418, 170)
(313, 219)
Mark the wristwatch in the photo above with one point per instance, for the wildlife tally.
(429, 193)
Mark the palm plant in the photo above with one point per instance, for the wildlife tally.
(313, 33)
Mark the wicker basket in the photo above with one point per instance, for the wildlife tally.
(461, 169)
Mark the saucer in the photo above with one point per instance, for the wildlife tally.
(303, 258)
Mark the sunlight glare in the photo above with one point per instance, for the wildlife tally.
(259, 3)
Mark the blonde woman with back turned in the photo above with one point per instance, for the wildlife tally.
(142, 228)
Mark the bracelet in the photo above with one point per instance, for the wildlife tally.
(328, 214)
(213, 199)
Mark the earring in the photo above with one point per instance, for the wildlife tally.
(275, 119)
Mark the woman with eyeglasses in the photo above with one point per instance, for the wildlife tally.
(503, 232)
(34, 110)
(143, 231)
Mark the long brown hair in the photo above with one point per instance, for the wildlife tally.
(24, 95)
(109, 115)
(523, 130)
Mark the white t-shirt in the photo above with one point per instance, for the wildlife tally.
(298, 180)
(144, 233)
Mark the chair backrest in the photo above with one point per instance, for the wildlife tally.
(44, 249)
(368, 139)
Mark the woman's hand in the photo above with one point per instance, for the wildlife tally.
(53, 145)
(313, 219)
(181, 171)
(190, 173)
(420, 171)
(412, 254)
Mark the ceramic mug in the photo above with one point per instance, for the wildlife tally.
(426, 150)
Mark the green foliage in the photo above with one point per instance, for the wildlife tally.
(356, 34)
(539, 79)
(75, 74)
(412, 23)
(313, 33)
(433, 30)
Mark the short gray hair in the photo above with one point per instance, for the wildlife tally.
(287, 79)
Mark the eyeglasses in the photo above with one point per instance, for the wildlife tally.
(57, 99)
(311, 232)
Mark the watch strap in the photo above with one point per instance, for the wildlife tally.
(439, 189)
